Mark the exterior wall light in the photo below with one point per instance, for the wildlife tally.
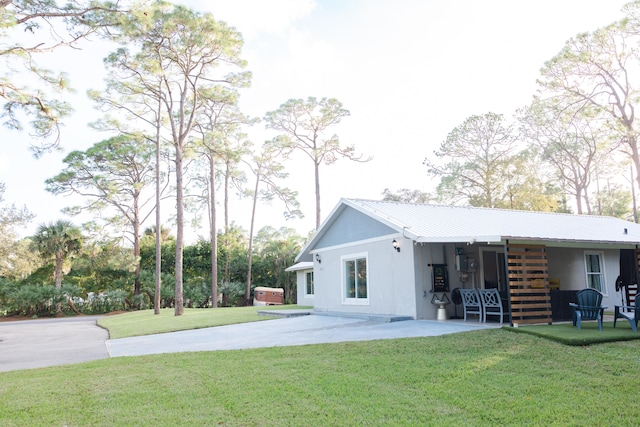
(318, 259)
(396, 245)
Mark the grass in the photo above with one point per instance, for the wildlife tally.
(144, 322)
(486, 377)
(568, 334)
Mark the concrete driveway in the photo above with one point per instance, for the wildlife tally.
(51, 342)
(312, 329)
(39, 343)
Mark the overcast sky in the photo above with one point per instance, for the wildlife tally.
(409, 71)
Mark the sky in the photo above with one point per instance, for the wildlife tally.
(409, 71)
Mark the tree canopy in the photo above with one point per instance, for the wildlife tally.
(476, 156)
(170, 61)
(58, 241)
(304, 127)
(114, 176)
(12, 251)
(29, 91)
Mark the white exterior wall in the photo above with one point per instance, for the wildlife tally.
(568, 265)
(390, 278)
(301, 287)
(437, 253)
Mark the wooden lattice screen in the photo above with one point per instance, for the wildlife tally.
(528, 275)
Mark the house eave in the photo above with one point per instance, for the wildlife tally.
(459, 239)
(305, 265)
(529, 240)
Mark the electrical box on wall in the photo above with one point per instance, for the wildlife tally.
(462, 263)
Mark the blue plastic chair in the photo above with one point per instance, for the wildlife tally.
(491, 304)
(471, 303)
(632, 318)
(588, 307)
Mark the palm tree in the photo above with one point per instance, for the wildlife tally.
(58, 241)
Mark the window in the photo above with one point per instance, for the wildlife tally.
(595, 270)
(355, 278)
(309, 282)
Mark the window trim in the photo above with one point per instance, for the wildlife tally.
(343, 262)
(602, 273)
(306, 284)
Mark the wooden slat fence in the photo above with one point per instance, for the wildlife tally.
(528, 275)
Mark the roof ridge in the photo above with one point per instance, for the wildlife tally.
(483, 208)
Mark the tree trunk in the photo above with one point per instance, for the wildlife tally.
(633, 196)
(73, 307)
(635, 158)
(227, 262)
(317, 184)
(58, 279)
(136, 249)
(226, 197)
(579, 198)
(179, 297)
(158, 278)
(247, 295)
(213, 236)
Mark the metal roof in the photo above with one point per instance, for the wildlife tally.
(435, 223)
(459, 224)
(305, 265)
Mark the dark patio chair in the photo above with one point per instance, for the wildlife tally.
(491, 303)
(632, 315)
(471, 303)
(588, 307)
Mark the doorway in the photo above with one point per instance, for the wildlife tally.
(493, 271)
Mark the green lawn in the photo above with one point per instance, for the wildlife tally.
(144, 322)
(487, 377)
(568, 334)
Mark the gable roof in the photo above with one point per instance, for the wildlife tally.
(456, 224)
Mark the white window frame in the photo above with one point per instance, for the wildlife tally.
(343, 262)
(603, 285)
(306, 284)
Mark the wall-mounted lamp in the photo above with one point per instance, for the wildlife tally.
(396, 245)
(318, 259)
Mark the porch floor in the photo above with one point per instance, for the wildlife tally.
(284, 313)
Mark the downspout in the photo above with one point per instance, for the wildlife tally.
(506, 278)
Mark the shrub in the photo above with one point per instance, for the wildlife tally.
(232, 293)
(197, 292)
(30, 300)
(167, 287)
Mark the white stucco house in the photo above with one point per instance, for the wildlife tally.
(395, 259)
(304, 282)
